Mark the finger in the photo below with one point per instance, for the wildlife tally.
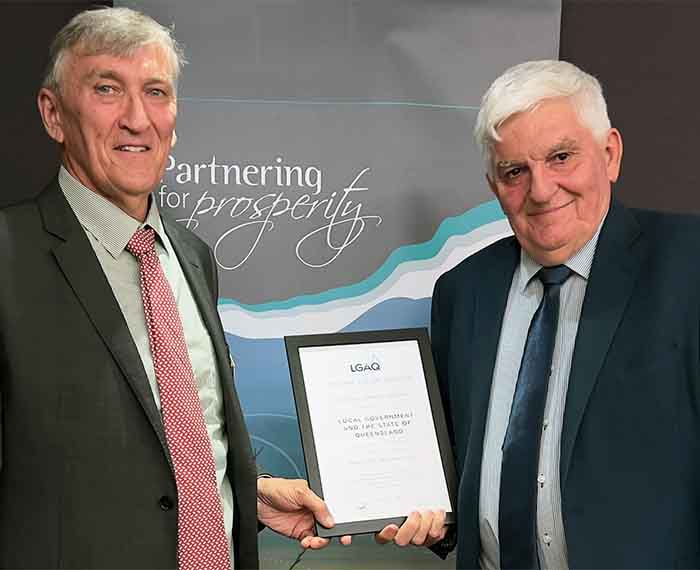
(426, 521)
(317, 542)
(437, 529)
(387, 534)
(314, 542)
(408, 529)
(346, 540)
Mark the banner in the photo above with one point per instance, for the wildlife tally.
(325, 153)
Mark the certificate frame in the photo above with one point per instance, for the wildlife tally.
(293, 345)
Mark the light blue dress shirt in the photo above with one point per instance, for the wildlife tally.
(109, 229)
(523, 299)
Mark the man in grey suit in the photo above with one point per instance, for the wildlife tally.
(568, 354)
(87, 477)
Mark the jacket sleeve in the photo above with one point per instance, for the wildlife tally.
(438, 327)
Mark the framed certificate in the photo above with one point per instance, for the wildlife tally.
(372, 426)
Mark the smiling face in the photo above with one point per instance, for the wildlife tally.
(115, 119)
(553, 179)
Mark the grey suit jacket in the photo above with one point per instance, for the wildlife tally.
(85, 474)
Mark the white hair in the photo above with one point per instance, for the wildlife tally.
(524, 86)
(113, 31)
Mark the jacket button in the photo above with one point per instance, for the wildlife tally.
(166, 503)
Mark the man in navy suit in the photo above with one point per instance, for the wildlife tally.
(616, 469)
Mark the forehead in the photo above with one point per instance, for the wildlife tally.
(540, 130)
(146, 63)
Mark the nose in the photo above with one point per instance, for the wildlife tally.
(542, 184)
(135, 116)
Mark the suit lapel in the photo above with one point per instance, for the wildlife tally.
(191, 265)
(201, 291)
(490, 306)
(484, 320)
(613, 275)
(78, 263)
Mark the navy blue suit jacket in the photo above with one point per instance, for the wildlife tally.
(630, 459)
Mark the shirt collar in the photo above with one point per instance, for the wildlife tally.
(580, 263)
(108, 224)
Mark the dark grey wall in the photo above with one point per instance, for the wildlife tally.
(28, 158)
(645, 54)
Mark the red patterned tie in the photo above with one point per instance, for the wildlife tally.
(202, 542)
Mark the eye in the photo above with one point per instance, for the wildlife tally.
(562, 156)
(156, 92)
(513, 173)
(104, 89)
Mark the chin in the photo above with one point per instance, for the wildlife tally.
(129, 187)
(547, 252)
(552, 241)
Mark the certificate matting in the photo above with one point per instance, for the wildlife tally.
(373, 430)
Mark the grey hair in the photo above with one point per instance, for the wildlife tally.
(522, 87)
(113, 31)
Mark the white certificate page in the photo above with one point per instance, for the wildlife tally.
(376, 445)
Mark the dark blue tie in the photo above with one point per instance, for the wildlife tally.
(517, 526)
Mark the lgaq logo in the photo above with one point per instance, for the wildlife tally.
(365, 367)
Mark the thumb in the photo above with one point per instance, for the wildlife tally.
(318, 507)
(387, 534)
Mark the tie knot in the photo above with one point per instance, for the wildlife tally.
(142, 242)
(555, 275)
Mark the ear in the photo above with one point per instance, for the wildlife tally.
(613, 154)
(50, 111)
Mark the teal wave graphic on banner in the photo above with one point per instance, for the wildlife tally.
(457, 225)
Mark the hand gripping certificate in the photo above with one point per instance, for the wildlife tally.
(373, 429)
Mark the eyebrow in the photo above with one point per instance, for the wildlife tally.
(102, 74)
(507, 163)
(565, 143)
(113, 75)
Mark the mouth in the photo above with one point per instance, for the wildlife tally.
(132, 148)
(551, 210)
